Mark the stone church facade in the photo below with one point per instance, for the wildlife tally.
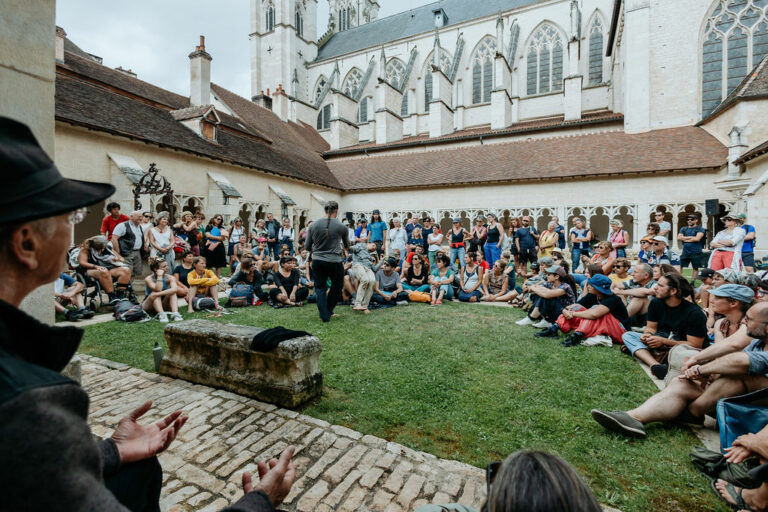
(597, 108)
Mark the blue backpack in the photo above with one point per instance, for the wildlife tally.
(241, 295)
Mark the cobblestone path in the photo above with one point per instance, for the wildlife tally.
(336, 468)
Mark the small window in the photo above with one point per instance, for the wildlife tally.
(270, 18)
(324, 118)
(404, 105)
(363, 116)
(299, 24)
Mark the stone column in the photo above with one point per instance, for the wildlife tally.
(344, 131)
(573, 83)
(440, 111)
(501, 100)
(27, 82)
(640, 222)
(459, 105)
(389, 124)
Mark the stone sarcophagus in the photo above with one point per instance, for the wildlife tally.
(219, 355)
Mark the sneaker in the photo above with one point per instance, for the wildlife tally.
(72, 315)
(573, 339)
(524, 321)
(163, 317)
(659, 371)
(619, 422)
(85, 312)
(402, 303)
(547, 333)
(176, 317)
(542, 324)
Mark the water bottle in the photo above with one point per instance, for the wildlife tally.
(157, 353)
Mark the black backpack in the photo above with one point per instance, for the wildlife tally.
(127, 311)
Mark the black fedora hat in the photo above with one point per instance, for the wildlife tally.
(34, 187)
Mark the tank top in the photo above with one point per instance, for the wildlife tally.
(457, 239)
(165, 282)
(470, 278)
(161, 239)
(493, 235)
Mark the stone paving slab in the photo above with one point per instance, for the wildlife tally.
(336, 467)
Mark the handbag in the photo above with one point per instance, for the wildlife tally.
(739, 415)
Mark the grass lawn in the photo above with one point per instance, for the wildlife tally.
(463, 382)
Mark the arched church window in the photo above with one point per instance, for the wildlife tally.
(299, 23)
(269, 15)
(352, 82)
(545, 61)
(365, 110)
(482, 70)
(446, 61)
(404, 105)
(596, 51)
(735, 41)
(395, 72)
(345, 18)
(320, 86)
(324, 118)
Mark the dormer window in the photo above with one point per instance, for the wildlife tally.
(202, 120)
(441, 19)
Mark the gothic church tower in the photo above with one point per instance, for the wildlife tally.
(346, 14)
(283, 37)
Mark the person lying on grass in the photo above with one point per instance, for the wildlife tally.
(722, 370)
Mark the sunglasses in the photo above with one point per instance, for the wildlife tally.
(147, 216)
(658, 243)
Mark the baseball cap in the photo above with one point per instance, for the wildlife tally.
(556, 269)
(659, 238)
(457, 220)
(706, 273)
(734, 291)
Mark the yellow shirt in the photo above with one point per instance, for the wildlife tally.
(545, 238)
(202, 283)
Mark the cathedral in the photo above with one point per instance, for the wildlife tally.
(594, 108)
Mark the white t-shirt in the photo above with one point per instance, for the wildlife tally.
(664, 225)
(137, 232)
(235, 234)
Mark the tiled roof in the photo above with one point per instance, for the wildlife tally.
(600, 154)
(412, 22)
(753, 153)
(754, 86)
(485, 131)
(103, 99)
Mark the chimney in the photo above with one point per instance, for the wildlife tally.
(262, 100)
(60, 36)
(128, 72)
(200, 75)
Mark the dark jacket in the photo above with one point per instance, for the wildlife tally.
(48, 457)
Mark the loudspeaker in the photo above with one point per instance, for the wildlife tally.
(350, 217)
(712, 206)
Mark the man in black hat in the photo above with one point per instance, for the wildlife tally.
(48, 458)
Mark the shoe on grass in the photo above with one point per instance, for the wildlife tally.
(85, 312)
(547, 333)
(573, 339)
(163, 317)
(72, 315)
(659, 371)
(525, 321)
(619, 422)
(176, 317)
(542, 324)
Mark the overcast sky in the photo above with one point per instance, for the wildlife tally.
(154, 37)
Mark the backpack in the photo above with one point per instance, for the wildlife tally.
(72, 256)
(419, 297)
(126, 311)
(203, 304)
(241, 295)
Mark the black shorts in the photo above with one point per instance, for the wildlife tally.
(748, 259)
(696, 260)
(528, 256)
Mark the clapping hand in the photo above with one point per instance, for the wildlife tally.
(138, 442)
(276, 477)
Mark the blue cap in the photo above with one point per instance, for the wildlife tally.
(601, 283)
(735, 292)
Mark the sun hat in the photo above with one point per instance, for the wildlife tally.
(457, 220)
(659, 238)
(706, 273)
(601, 283)
(556, 249)
(728, 274)
(556, 269)
(648, 239)
(734, 291)
(34, 187)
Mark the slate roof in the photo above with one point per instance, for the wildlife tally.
(753, 153)
(548, 124)
(412, 22)
(102, 99)
(754, 86)
(591, 155)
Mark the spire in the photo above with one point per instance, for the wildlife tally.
(295, 83)
(436, 51)
(336, 76)
(382, 64)
(499, 33)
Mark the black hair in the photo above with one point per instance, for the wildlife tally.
(113, 205)
(443, 258)
(286, 259)
(678, 282)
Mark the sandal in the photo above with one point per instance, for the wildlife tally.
(734, 494)
(439, 301)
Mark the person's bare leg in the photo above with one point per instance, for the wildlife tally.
(441, 294)
(123, 274)
(181, 290)
(668, 403)
(58, 308)
(635, 306)
(157, 303)
(191, 295)
(723, 387)
(646, 357)
(535, 313)
(172, 302)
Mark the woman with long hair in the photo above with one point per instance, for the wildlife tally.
(161, 291)
(215, 253)
(441, 280)
(514, 225)
(417, 275)
(471, 280)
(326, 241)
(494, 239)
(161, 240)
(478, 233)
